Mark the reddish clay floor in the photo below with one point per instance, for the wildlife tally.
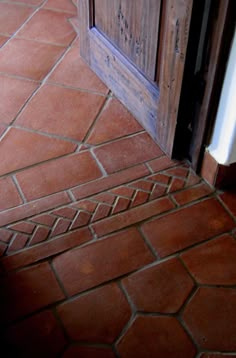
(108, 248)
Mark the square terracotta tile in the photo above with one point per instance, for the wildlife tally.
(101, 261)
(73, 71)
(61, 111)
(28, 58)
(127, 152)
(62, 5)
(20, 148)
(190, 194)
(213, 263)
(14, 93)
(48, 26)
(114, 122)
(188, 226)
(12, 16)
(58, 175)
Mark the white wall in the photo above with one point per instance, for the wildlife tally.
(223, 142)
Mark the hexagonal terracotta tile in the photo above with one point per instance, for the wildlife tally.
(210, 317)
(97, 316)
(166, 286)
(151, 337)
(213, 262)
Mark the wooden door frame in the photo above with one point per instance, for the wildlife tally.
(220, 37)
(176, 16)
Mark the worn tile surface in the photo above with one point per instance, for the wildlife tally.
(108, 248)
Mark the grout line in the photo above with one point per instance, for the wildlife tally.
(62, 46)
(4, 134)
(28, 244)
(124, 331)
(27, 20)
(58, 280)
(149, 167)
(99, 164)
(58, 218)
(23, 4)
(197, 244)
(60, 323)
(182, 321)
(41, 83)
(24, 105)
(175, 209)
(116, 353)
(11, 75)
(225, 206)
(45, 134)
(49, 306)
(102, 108)
(188, 270)
(58, 84)
(71, 195)
(73, 221)
(148, 244)
(131, 320)
(90, 345)
(172, 199)
(114, 140)
(66, 12)
(93, 233)
(19, 189)
(187, 178)
(15, 172)
(128, 298)
(4, 131)
(11, 241)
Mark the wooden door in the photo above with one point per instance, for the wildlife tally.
(138, 48)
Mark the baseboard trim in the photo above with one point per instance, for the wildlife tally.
(218, 175)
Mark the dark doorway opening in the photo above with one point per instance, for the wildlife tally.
(211, 33)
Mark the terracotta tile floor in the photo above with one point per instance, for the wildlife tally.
(108, 248)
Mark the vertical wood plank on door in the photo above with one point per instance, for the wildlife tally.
(85, 10)
(175, 23)
(132, 26)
